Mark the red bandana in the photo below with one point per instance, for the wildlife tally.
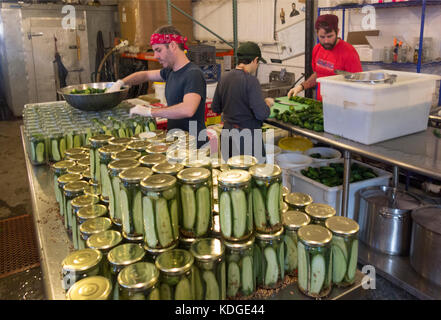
(157, 38)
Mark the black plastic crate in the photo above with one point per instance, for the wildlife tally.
(212, 73)
(202, 54)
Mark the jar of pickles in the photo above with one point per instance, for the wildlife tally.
(80, 264)
(56, 146)
(319, 212)
(115, 168)
(269, 259)
(138, 145)
(344, 247)
(150, 160)
(168, 168)
(193, 162)
(175, 267)
(196, 202)
(120, 257)
(59, 168)
(314, 261)
(71, 191)
(176, 155)
(105, 158)
(74, 151)
(292, 222)
(243, 162)
(93, 189)
(91, 288)
(139, 281)
(37, 149)
(209, 273)
(267, 197)
(97, 142)
(160, 211)
(298, 201)
(93, 226)
(241, 281)
(126, 154)
(76, 204)
(235, 216)
(131, 202)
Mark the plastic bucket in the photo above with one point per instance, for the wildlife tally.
(326, 154)
(290, 160)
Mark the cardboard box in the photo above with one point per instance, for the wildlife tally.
(366, 50)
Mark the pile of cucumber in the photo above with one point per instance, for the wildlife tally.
(240, 279)
(236, 219)
(266, 206)
(88, 91)
(196, 210)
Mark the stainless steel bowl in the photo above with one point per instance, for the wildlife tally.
(94, 102)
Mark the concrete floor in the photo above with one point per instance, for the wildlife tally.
(15, 200)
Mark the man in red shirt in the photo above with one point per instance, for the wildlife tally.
(331, 53)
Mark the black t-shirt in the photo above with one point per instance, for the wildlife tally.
(188, 79)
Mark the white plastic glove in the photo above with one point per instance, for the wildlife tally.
(116, 86)
(141, 110)
(269, 102)
(295, 91)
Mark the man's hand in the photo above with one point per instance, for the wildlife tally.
(295, 91)
(116, 86)
(141, 110)
(269, 102)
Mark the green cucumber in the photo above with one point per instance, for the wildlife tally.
(225, 216)
(152, 126)
(259, 209)
(273, 204)
(272, 269)
(154, 295)
(121, 133)
(352, 266)
(169, 194)
(291, 254)
(257, 257)
(105, 180)
(149, 223)
(77, 141)
(233, 279)
(340, 242)
(281, 256)
(189, 207)
(339, 266)
(247, 276)
(57, 190)
(183, 290)
(302, 266)
(318, 272)
(74, 232)
(33, 155)
(203, 211)
(223, 281)
(125, 210)
(54, 151)
(68, 214)
(69, 141)
(196, 284)
(138, 223)
(88, 135)
(211, 285)
(62, 147)
(250, 220)
(39, 151)
(117, 196)
(165, 292)
(97, 166)
(240, 207)
(163, 223)
(92, 163)
(138, 129)
(174, 214)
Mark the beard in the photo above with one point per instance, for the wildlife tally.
(329, 46)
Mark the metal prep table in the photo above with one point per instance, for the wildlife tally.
(54, 244)
(419, 152)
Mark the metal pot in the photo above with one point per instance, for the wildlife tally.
(425, 253)
(384, 219)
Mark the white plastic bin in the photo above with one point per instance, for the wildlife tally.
(333, 195)
(287, 161)
(370, 113)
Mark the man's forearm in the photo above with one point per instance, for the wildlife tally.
(311, 82)
(135, 78)
(177, 111)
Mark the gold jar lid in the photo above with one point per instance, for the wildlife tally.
(243, 162)
(150, 160)
(269, 236)
(93, 189)
(120, 141)
(99, 140)
(298, 199)
(117, 166)
(194, 175)
(72, 151)
(167, 168)
(75, 187)
(265, 171)
(82, 260)
(62, 166)
(139, 276)
(207, 249)
(107, 150)
(126, 154)
(138, 145)
(78, 156)
(239, 245)
(77, 169)
(314, 235)
(90, 288)
(156, 148)
(104, 240)
(234, 177)
(158, 182)
(87, 174)
(92, 211)
(176, 261)
(342, 226)
(126, 254)
(203, 162)
(294, 219)
(84, 201)
(177, 155)
(135, 175)
(95, 225)
(155, 252)
(320, 211)
(148, 135)
(84, 162)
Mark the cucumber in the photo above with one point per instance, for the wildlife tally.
(188, 206)
(257, 257)
(62, 147)
(54, 151)
(68, 214)
(196, 284)
(88, 135)
(302, 266)
(273, 204)
(105, 180)
(165, 292)
(318, 272)
(125, 211)
(339, 266)
(352, 266)
(117, 197)
(272, 269)
(121, 133)
(247, 276)
(174, 214)
(97, 166)
(183, 290)
(281, 256)
(163, 223)
(92, 163)
(239, 202)
(225, 214)
(233, 279)
(57, 190)
(290, 255)
(154, 295)
(203, 210)
(149, 223)
(33, 155)
(250, 220)
(138, 224)
(39, 151)
(223, 281)
(111, 200)
(77, 141)
(74, 233)
(138, 129)
(259, 209)
(340, 242)
(152, 126)
(211, 286)
(69, 141)
(169, 194)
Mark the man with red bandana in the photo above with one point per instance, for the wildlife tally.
(331, 53)
(185, 89)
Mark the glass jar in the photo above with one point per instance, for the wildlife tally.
(93, 226)
(344, 246)
(193, 162)
(209, 274)
(97, 142)
(76, 204)
(150, 160)
(235, 216)
(123, 141)
(59, 168)
(160, 211)
(243, 162)
(115, 168)
(241, 281)
(77, 169)
(319, 212)
(298, 201)
(126, 154)
(74, 138)
(138, 145)
(314, 261)
(267, 197)
(185, 243)
(152, 254)
(121, 256)
(168, 168)
(38, 153)
(71, 191)
(93, 189)
(56, 146)
(91, 288)
(105, 158)
(80, 264)
(175, 267)
(216, 232)
(131, 202)
(269, 259)
(292, 221)
(196, 202)
(139, 281)
(62, 181)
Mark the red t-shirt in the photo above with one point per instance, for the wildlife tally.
(342, 57)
